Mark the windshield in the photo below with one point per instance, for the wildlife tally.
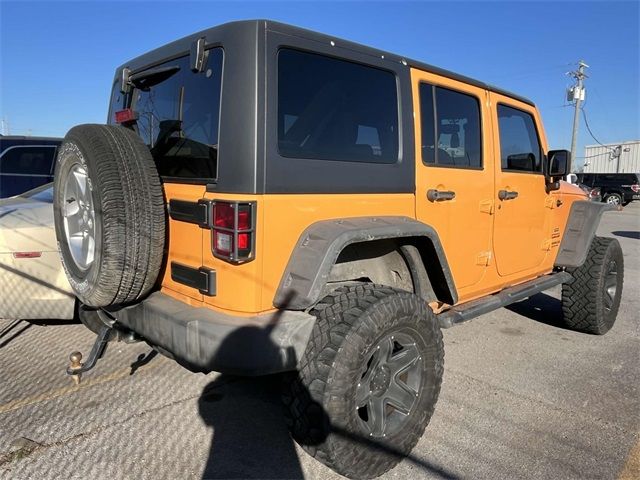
(178, 115)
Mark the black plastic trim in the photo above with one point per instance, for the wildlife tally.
(462, 313)
(191, 212)
(203, 279)
(320, 244)
(581, 226)
(205, 340)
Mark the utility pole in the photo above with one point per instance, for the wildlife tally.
(577, 96)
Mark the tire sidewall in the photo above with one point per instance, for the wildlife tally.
(614, 195)
(613, 253)
(397, 313)
(82, 281)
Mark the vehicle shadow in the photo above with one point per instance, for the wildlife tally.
(12, 331)
(627, 234)
(542, 308)
(251, 437)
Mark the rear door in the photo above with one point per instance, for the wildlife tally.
(522, 222)
(177, 114)
(454, 172)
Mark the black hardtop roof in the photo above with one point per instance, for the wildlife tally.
(212, 34)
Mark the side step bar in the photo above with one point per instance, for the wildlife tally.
(475, 308)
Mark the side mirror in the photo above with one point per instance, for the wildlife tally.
(558, 163)
(557, 167)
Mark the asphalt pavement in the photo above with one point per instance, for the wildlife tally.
(521, 398)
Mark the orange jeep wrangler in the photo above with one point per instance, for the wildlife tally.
(268, 199)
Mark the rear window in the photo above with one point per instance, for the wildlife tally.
(178, 118)
(333, 109)
(28, 160)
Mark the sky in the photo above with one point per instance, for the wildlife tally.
(57, 59)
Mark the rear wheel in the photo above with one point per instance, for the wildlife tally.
(613, 199)
(591, 300)
(369, 379)
(109, 214)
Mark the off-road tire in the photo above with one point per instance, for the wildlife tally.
(129, 211)
(320, 397)
(584, 302)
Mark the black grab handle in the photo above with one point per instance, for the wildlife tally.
(438, 196)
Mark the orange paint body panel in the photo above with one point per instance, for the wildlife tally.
(185, 240)
(489, 243)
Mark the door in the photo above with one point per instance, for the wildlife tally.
(454, 172)
(522, 219)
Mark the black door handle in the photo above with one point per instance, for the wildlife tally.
(439, 196)
(507, 195)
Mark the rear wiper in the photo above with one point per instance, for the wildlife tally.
(149, 78)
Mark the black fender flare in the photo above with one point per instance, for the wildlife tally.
(320, 244)
(583, 221)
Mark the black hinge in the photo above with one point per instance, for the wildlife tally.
(203, 278)
(191, 212)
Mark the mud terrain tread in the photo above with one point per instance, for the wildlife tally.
(582, 298)
(305, 393)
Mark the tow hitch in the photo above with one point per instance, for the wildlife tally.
(76, 368)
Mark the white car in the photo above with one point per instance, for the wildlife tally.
(33, 284)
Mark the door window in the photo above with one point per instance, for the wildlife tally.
(27, 160)
(519, 145)
(450, 121)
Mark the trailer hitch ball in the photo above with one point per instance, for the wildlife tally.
(76, 368)
(75, 363)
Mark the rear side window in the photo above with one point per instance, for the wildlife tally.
(28, 160)
(333, 109)
(178, 118)
(450, 123)
(519, 144)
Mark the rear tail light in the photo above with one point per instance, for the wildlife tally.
(635, 187)
(233, 236)
(594, 192)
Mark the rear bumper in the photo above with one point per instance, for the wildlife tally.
(205, 340)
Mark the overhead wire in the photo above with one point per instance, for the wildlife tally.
(586, 123)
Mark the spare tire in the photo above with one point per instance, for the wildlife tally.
(109, 215)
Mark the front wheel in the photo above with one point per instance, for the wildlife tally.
(591, 300)
(369, 379)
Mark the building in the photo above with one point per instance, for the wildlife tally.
(623, 157)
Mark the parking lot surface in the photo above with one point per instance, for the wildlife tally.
(521, 398)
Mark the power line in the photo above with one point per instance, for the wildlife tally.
(586, 123)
